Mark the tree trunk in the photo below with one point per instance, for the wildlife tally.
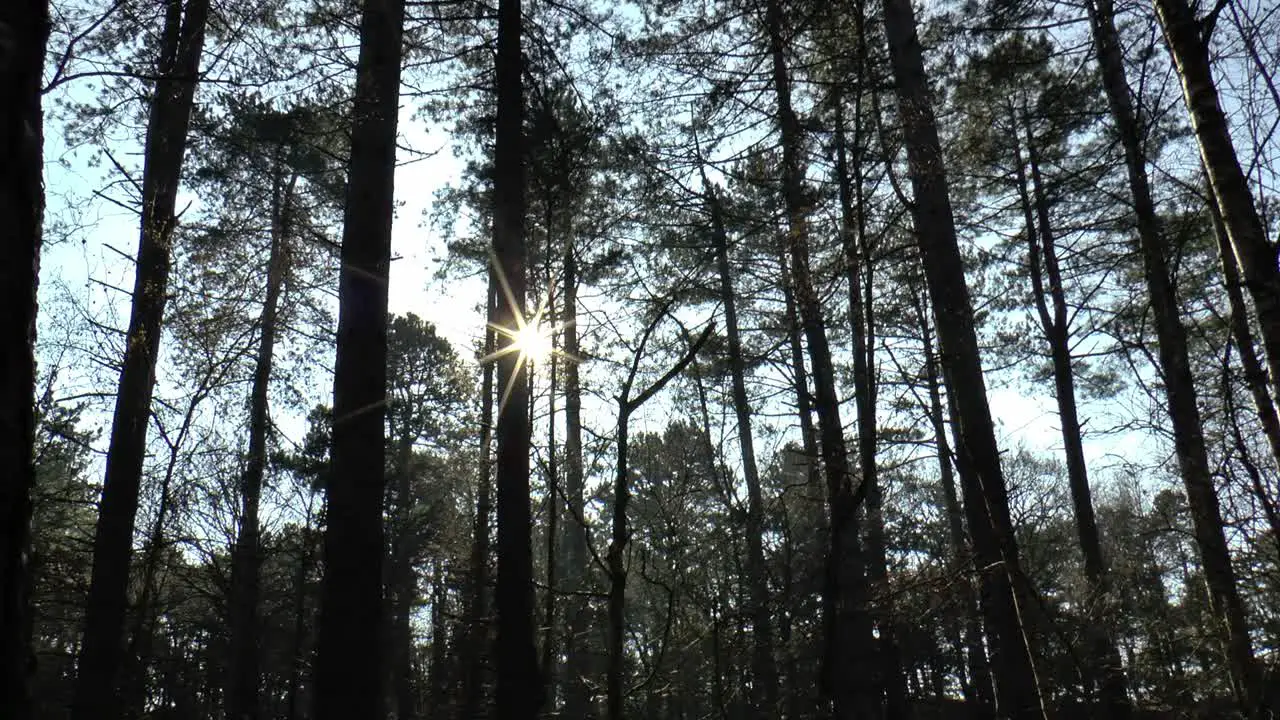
(980, 688)
(849, 676)
(25, 24)
(1104, 670)
(857, 255)
(549, 654)
(1179, 382)
(349, 664)
(1188, 42)
(763, 667)
(1255, 376)
(181, 45)
(477, 623)
(986, 497)
(402, 583)
(243, 675)
(297, 659)
(519, 687)
(575, 533)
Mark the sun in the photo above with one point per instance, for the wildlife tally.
(533, 342)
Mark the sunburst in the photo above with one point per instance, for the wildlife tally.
(532, 337)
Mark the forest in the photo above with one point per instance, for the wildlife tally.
(639, 359)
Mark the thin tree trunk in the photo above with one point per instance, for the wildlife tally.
(1104, 669)
(350, 672)
(575, 534)
(980, 684)
(25, 25)
(474, 647)
(849, 675)
(853, 233)
(244, 675)
(986, 496)
(549, 653)
(300, 616)
(519, 688)
(181, 46)
(1255, 376)
(1179, 382)
(627, 405)
(764, 669)
(1187, 39)
(402, 585)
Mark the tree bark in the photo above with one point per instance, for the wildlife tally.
(1104, 669)
(181, 46)
(1187, 39)
(519, 687)
(1179, 382)
(764, 669)
(349, 664)
(986, 496)
(25, 24)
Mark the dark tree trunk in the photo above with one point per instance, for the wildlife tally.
(25, 25)
(297, 658)
(244, 675)
(1179, 381)
(349, 661)
(549, 654)
(575, 533)
(849, 674)
(763, 667)
(986, 497)
(519, 687)
(1255, 375)
(627, 405)
(181, 44)
(403, 583)
(857, 255)
(1104, 669)
(477, 605)
(1188, 41)
(979, 692)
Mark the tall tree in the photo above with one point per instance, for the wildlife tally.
(519, 687)
(1187, 38)
(978, 457)
(1179, 382)
(25, 27)
(169, 117)
(349, 662)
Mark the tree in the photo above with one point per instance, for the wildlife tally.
(1187, 38)
(1180, 389)
(169, 116)
(25, 27)
(978, 458)
(519, 688)
(349, 665)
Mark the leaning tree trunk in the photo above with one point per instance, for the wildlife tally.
(1179, 381)
(25, 24)
(978, 691)
(1255, 376)
(243, 677)
(848, 675)
(986, 496)
(764, 669)
(1188, 41)
(181, 44)
(1104, 668)
(519, 686)
(349, 665)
